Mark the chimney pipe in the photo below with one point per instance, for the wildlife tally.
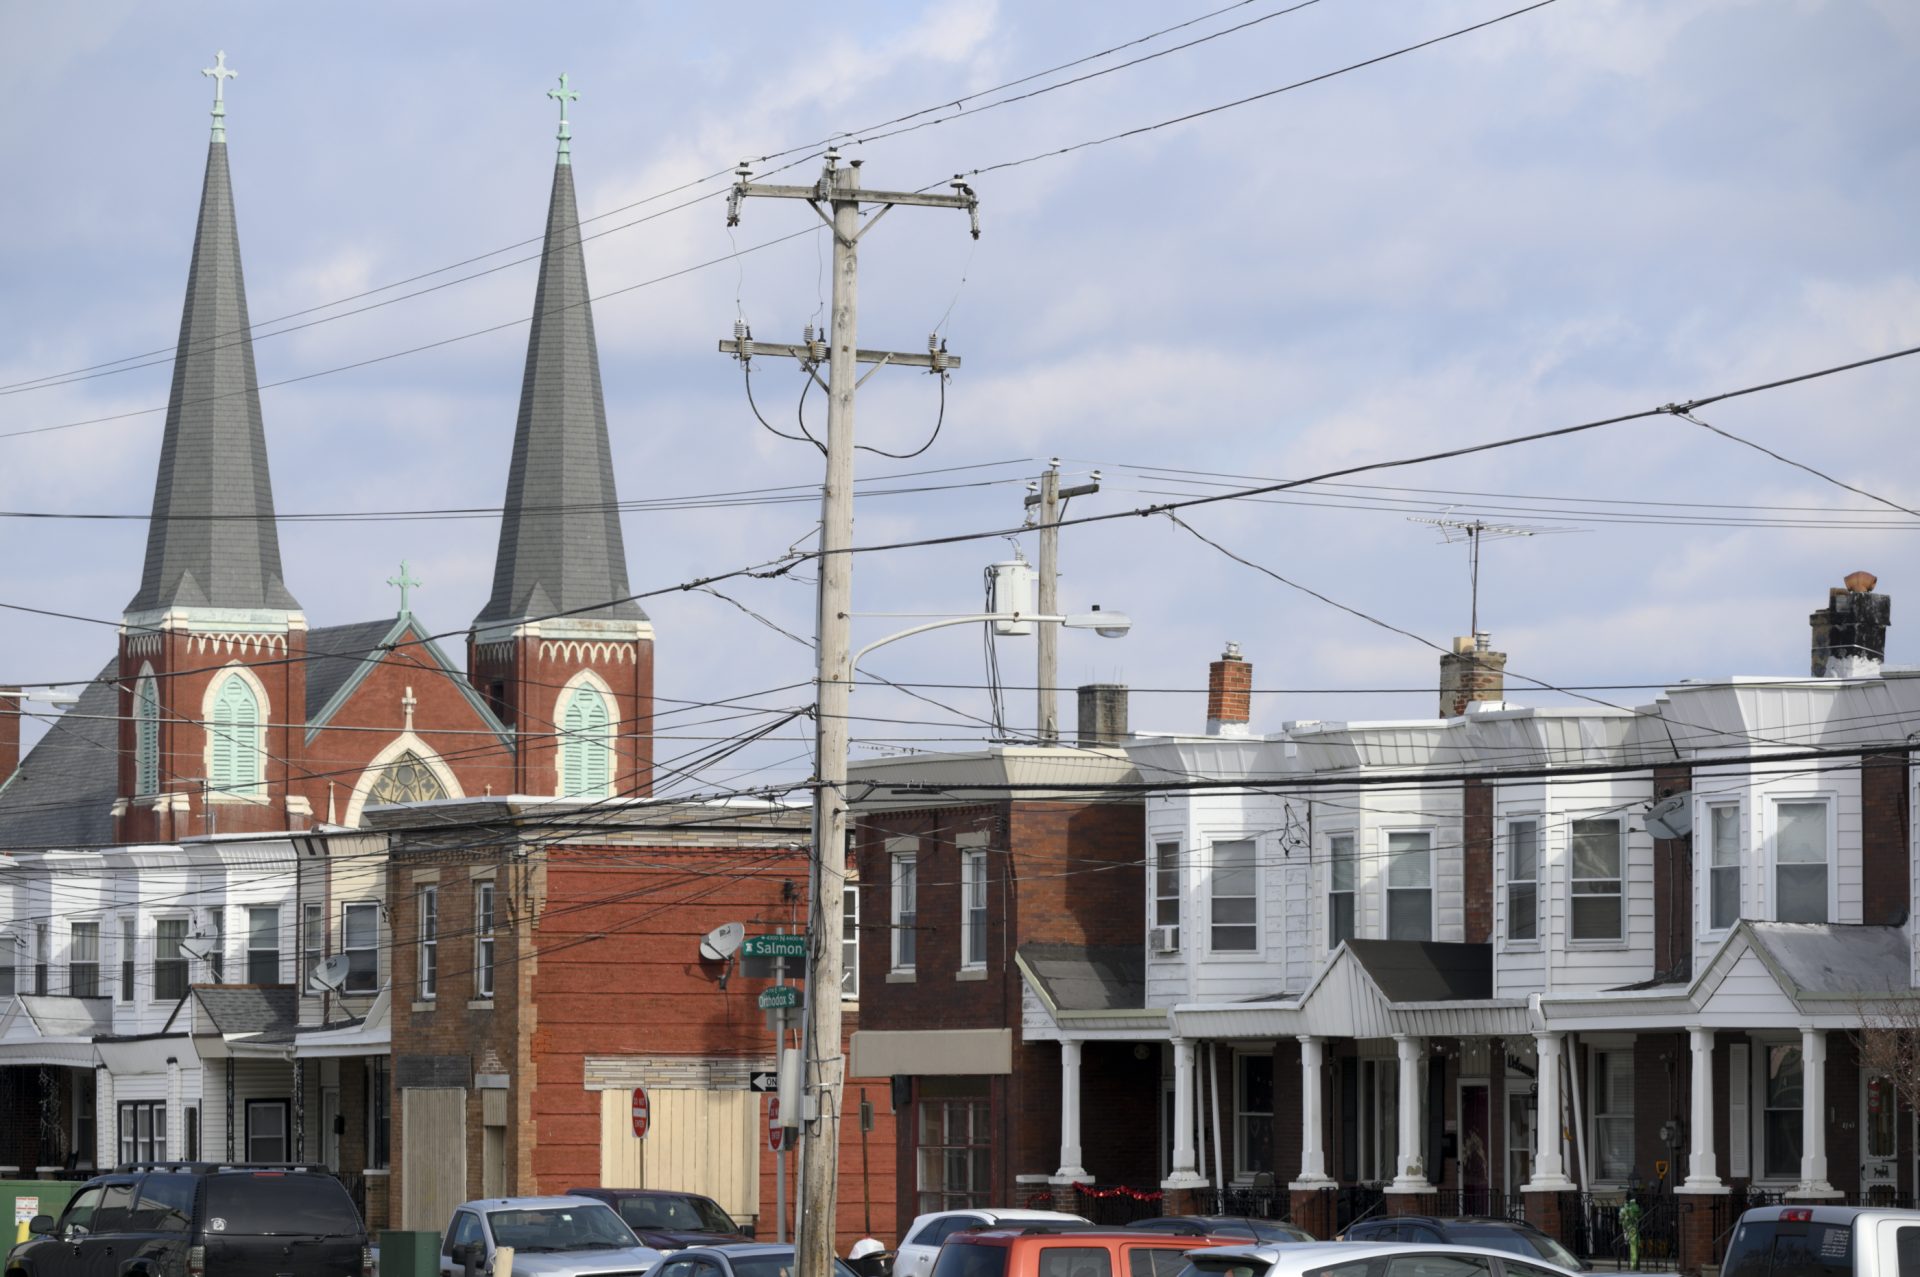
(1850, 632)
(1229, 694)
(9, 732)
(1103, 713)
(1471, 672)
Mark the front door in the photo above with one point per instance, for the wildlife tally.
(1879, 1136)
(1476, 1183)
(1523, 1110)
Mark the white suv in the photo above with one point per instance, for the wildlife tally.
(1364, 1259)
(915, 1256)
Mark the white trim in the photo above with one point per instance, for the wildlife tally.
(264, 708)
(1704, 867)
(1503, 880)
(1613, 815)
(1827, 798)
(404, 743)
(1259, 950)
(1385, 834)
(585, 678)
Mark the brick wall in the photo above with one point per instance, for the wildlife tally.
(1884, 835)
(1477, 855)
(1659, 1096)
(1672, 885)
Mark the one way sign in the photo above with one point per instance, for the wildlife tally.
(764, 1082)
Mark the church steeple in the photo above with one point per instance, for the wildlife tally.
(213, 542)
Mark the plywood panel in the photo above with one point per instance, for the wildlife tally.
(433, 1157)
(698, 1141)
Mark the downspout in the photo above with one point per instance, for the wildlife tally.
(1219, 1158)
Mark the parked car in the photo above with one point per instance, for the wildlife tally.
(1260, 1230)
(914, 1256)
(1365, 1259)
(667, 1220)
(550, 1236)
(748, 1259)
(1823, 1241)
(203, 1218)
(1487, 1231)
(1063, 1250)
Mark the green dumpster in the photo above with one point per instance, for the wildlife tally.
(25, 1198)
(409, 1254)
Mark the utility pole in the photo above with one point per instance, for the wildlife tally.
(1051, 500)
(837, 190)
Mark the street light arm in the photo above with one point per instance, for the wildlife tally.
(941, 624)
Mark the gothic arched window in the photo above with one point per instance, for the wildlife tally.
(235, 739)
(407, 779)
(586, 749)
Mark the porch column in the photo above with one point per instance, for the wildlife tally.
(1813, 1115)
(1185, 1172)
(1071, 1171)
(1703, 1167)
(1549, 1169)
(1313, 1153)
(1412, 1171)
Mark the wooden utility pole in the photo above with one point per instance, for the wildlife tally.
(1050, 500)
(837, 198)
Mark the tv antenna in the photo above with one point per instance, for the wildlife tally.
(1473, 532)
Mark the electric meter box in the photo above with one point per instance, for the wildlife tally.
(1010, 590)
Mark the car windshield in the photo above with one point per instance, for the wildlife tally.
(1515, 1241)
(273, 1204)
(958, 1259)
(1238, 1266)
(778, 1264)
(547, 1228)
(1267, 1230)
(1800, 1248)
(680, 1214)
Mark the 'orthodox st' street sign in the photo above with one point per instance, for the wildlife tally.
(780, 995)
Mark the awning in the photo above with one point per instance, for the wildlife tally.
(370, 1035)
(125, 1057)
(57, 1031)
(932, 1052)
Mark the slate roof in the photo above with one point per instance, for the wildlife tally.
(1835, 960)
(269, 1012)
(336, 653)
(1089, 977)
(213, 541)
(1427, 971)
(560, 543)
(62, 795)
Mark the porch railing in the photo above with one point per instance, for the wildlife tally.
(1263, 1202)
(1637, 1234)
(1119, 1205)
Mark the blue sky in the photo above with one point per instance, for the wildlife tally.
(1593, 208)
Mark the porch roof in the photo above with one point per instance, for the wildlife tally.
(371, 1034)
(1085, 989)
(246, 1019)
(53, 1030)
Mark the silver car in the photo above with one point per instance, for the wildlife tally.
(736, 1259)
(1364, 1259)
(550, 1237)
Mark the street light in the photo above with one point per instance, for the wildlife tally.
(1105, 624)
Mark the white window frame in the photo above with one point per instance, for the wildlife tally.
(345, 907)
(1388, 888)
(1599, 1118)
(277, 950)
(186, 971)
(1242, 1169)
(313, 945)
(1511, 882)
(1763, 1048)
(903, 904)
(426, 926)
(285, 1109)
(486, 919)
(973, 908)
(129, 956)
(1164, 906)
(1352, 890)
(850, 942)
(1573, 880)
(75, 961)
(1774, 803)
(1214, 899)
(1712, 871)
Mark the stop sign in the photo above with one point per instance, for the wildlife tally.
(642, 1112)
(776, 1133)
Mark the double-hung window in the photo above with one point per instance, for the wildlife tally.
(973, 907)
(1599, 882)
(217, 945)
(169, 960)
(905, 907)
(1613, 1115)
(850, 941)
(83, 960)
(1342, 885)
(1523, 881)
(1723, 871)
(9, 955)
(143, 1130)
(1233, 884)
(263, 945)
(483, 938)
(1410, 885)
(1800, 862)
(129, 939)
(313, 945)
(1166, 893)
(429, 923)
(360, 941)
(41, 942)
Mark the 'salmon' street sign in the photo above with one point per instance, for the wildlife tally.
(775, 947)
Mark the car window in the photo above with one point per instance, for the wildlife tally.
(588, 1226)
(1517, 1269)
(1373, 1230)
(1350, 1268)
(116, 1208)
(1075, 1261)
(768, 1265)
(1222, 1268)
(465, 1228)
(277, 1204)
(1764, 1246)
(707, 1268)
(963, 1259)
(164, 1203)
(1906, 1249)
(1436, 1264)
(1154, 1261)
(77, 1221)
(687, 1214)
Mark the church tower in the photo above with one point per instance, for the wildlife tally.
(559, 652)
(212, 675)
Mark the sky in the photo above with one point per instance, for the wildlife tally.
(1585, 210)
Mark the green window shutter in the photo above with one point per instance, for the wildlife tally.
(585, 759)
(146, 736)
(236, 738)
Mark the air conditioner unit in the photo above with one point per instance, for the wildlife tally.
(1164, 939)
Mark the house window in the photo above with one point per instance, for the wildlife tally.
(1344, 872)
(586, 753)
(1613, 1116)
(169, 961)
(1781, 1127)
(407, 779)
(266, 1130)
(429, 922)
(1166, 891)
(190, 1118)
(1598, 889)
(973, 908)
(9, 953)
(1253, 1114)
(360, 941)
(1231, 888)
(483, 938)
(41, 941)
(143, 1130)
(1723, 874)
(379, 1115)
(313, 946)
(955, 1154)
(83, 960)
(234, 739)
(850, 941)
(146, 734)
(1523, 881)
(1800, 862)
(128, 940)
(906, 891)
(263, 945)
(1410, 885)
(217, 950)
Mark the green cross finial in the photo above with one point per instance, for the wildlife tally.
(221, 73)
(563, 95)
(404, 582)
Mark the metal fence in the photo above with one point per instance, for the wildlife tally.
(1265, 1202)
(1119, 1204)
(1637, 1234)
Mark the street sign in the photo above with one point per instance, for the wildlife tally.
(775, 947)
(780, 995)
(776, 1133)
(642, 1113)
(764, 1082)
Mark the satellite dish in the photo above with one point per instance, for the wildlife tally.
(332, 974)
(196, 947)
(1671, 817)
(723, 941)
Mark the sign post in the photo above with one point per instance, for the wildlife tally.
(642, 1113)
(777, 1141)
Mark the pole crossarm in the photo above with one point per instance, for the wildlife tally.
(747, 348)
(914, 199)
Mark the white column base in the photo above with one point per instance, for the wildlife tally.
(1556, 1184)
(1184, 1179)
(1312, 1185)
(1070, 1175)
(1822, 1189)
(1404, 1186)
(1704, 1187)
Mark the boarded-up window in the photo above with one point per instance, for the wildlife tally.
(697, 1141)
(433, 1156)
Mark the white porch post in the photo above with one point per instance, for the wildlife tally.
(1703, 1167)
(1313, 1154)
(1412, 1171)
(1186, 1173)
(1071, 1171)
(1549, 1168)
(1813, 1115)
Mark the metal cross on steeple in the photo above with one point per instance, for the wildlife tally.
(221, 73)
(563, 95)
(404, 583)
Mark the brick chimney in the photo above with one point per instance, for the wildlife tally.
(9, 732)
(1103, 713)
(1850, 632)
(1471, 672)
(1229, 694)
